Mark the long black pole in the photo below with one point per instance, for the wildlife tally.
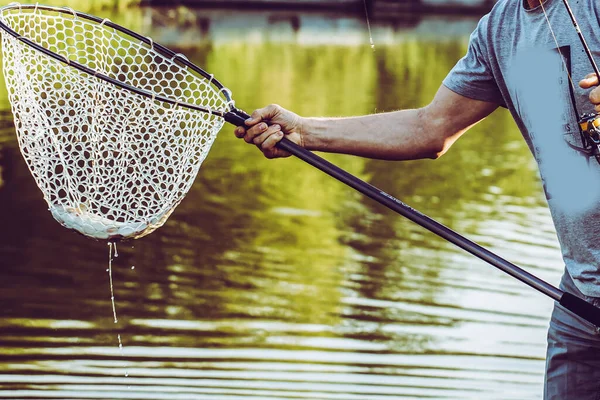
(568, 300)
(586, 48)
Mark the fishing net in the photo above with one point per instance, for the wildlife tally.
(112, 162)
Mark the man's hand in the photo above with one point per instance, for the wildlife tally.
(267, 126)
(589, 81)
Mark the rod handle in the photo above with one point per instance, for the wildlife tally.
(585, 310)
(236, 117)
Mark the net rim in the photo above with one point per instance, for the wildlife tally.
(157, 47)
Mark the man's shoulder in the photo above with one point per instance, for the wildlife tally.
(500, 19)
(504, 11)
(502, 7)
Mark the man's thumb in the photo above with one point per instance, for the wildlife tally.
(589, 81)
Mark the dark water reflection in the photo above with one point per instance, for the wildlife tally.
(273, 281)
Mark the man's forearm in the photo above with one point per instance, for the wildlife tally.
(399, 135)
(426, 132)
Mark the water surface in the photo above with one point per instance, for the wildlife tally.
(271, 280)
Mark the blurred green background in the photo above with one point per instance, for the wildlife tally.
(271, 280)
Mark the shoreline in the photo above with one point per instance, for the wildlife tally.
(377, 9)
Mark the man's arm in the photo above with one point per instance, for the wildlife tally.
(426, 132)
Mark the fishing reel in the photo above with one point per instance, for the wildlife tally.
(589, 124)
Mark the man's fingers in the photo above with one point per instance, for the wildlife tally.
(269, 148)
(263, 114)
(239, 132)
(265, 129)
(254, 131)
(272, 141)
(589, 81)
(595, 96)
(260, 139)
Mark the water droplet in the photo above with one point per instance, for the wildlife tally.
(133, 267)
(122, 353)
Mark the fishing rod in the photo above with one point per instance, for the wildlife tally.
(586, 48)
(568, 300)
(589, 123)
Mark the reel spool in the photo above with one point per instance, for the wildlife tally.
(589, 124)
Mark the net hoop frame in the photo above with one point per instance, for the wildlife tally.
(227, 111)
(162, 50)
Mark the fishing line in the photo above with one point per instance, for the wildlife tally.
(369, 25)
(557, 45)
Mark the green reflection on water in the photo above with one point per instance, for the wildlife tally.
(292, 211)
(271, 254)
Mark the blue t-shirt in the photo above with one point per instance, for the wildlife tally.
(513, 60)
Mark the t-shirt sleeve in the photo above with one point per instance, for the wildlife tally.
(472, 76)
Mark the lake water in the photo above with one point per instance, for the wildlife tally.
(271, 280)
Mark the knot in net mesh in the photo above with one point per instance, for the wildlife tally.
(111, 163)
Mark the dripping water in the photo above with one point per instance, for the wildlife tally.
(111, 247)
(112, 291)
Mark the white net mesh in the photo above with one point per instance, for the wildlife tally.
(110, 163)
